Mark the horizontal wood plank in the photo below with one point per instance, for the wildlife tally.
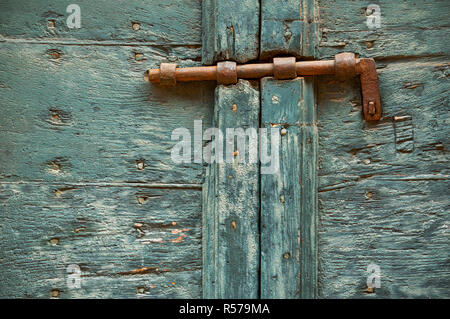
(128, 237)
(399, 224)
(85, 113)
(383, 194)
(407, 28)
(415, 89)
(159, 22)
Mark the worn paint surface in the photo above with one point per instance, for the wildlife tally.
(159, 23)
(383, 192)
(85, 170)
(86, 176)
(231, 204)
(289, 198)
(231, 250)
(408, 28)
(230, 30)
(289, 209)
(289, 27)
(383, 187)
(123, 238)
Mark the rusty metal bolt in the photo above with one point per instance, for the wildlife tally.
(345, 65)
(284, 68)
(227, 72)
(168, 74)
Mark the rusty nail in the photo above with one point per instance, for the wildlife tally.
(140, 290)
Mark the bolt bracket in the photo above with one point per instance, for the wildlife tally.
(345, 65)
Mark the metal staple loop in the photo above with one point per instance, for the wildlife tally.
(345, 65)
(168, 74)
(284, 68)
(227, 73)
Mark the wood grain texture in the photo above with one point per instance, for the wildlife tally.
(230, 30)
(160, 22)
(88, 115)
(86, 176)
(378, 203)
(408, 28)
(231, 205)
(289, 209)
(130, 242)
(289, 27)
(408, 88)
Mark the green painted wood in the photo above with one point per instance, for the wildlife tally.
(231, 205)
(130, 242)
(384, 186)
(289, 197)
(415, 89)
(230, 30)
(289, 27)
(160, 22)
(85, 170)
(231, 190)
(408, 28)
(89, 115)
(289, 211)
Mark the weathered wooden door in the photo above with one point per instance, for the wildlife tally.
(86, 176)
(88, 186)
(356, 209)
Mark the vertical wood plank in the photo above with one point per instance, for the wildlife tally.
(230, 30)
(289, 197)
(289, 27)
(231, 204)
(309, 190)
(231, 190)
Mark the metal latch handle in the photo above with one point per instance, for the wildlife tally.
(345, 65)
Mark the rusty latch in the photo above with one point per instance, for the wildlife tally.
(345, 65)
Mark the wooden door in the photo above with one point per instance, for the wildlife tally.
(383, 187)
(86, 176)
(357, 209)
(88, 186)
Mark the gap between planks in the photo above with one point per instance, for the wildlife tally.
(95, 43)
(111, 184)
